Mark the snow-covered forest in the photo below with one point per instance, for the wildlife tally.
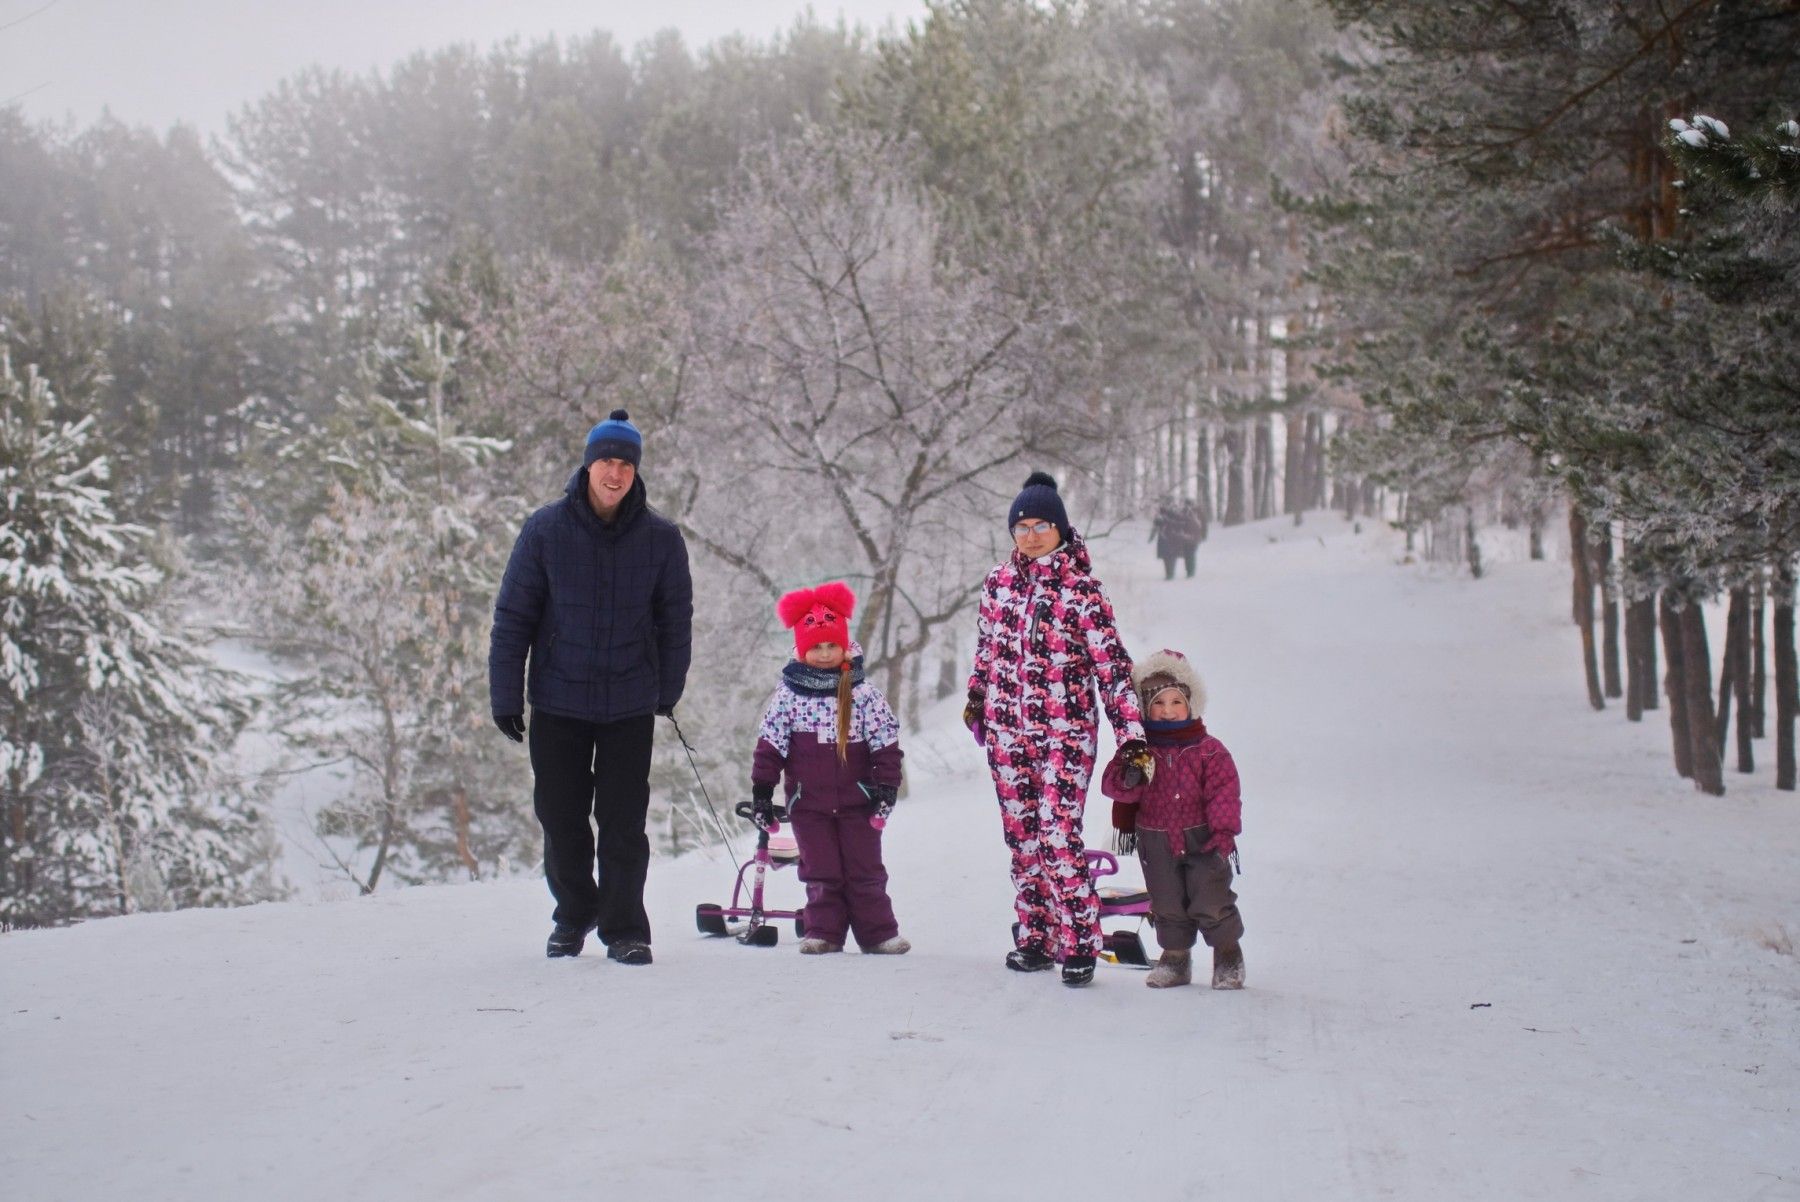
(281, 398)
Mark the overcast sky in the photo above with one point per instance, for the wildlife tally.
(155, 62)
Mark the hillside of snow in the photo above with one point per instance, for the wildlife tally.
(1496, 949)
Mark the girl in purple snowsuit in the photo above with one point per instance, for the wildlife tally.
(1185, 818)
(834, 737)
(1045, 637)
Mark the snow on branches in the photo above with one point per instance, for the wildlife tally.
(114, 726)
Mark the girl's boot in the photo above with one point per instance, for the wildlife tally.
(1228, 966)
(1172, 969)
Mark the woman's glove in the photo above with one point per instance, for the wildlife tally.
(1136, 765)
(972, 712)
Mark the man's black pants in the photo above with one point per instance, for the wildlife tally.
(594, 774)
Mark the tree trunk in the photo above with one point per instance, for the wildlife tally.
(1203, 482)
(1759, 658)
(1293, 483)
(1647, 651)
(1609, 613)
(1634, 662)
(1787, 698)
(459, 813)
(1233, 441)
(1746, 720)
(1709, 773)
(1265, 468)
(1734, 679)
(1580, 560)
(1315, 460)
(1640, 657)
(1677, 687)
(1728, 666)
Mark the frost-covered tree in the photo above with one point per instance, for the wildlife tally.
(867, 401)
(1037, 143)
(380, 602)
(115, 794)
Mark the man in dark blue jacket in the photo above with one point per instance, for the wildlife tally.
(597, 595)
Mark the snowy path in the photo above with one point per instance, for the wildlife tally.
(1496, 951)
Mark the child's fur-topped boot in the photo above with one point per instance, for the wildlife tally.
(1172, 969)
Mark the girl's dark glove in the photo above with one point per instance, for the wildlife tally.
(1136, 765)
(762, 805)
(884, 797)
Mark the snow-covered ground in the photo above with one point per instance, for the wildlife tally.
(1496, 950)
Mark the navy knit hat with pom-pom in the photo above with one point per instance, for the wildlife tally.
(614, 438)
(1040, 500)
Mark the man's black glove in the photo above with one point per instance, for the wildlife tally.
(884, 797)
(665, 711)
(762, 805)
(512, 726)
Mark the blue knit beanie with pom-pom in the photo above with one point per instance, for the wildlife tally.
(1040, 500)
(614, 438)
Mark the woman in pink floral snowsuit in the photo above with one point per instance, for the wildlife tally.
(1045, 637)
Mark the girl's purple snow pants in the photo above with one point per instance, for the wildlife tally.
(846, 882)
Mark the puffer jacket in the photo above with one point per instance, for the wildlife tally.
(798, 739)
(1045, 637)
(1195, 788)
(603, 611)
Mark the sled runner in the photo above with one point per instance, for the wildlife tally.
(749, 924)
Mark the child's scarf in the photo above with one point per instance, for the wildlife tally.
(840, 682)
(1176, 733)
(809, 681)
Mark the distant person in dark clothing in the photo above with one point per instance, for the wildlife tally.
(1177, 532)
(597, 597)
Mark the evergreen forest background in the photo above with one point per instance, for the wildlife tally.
(286, 394)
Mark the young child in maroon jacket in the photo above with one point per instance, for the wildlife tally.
(1185, 818)
(834, 737)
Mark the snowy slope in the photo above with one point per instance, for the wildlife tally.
(1496, 950)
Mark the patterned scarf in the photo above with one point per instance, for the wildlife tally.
(809, 681)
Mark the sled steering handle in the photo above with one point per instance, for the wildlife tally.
(748, 812)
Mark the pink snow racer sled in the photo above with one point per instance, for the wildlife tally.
(1119, 947)
(749, 924)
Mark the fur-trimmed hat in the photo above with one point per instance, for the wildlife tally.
(614, 438)
(1168, 669)
(818, 615)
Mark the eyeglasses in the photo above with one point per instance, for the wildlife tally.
(1024, 529)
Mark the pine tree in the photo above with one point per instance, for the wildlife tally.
(114, 726)
(1559, 296)
(1759, 166)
